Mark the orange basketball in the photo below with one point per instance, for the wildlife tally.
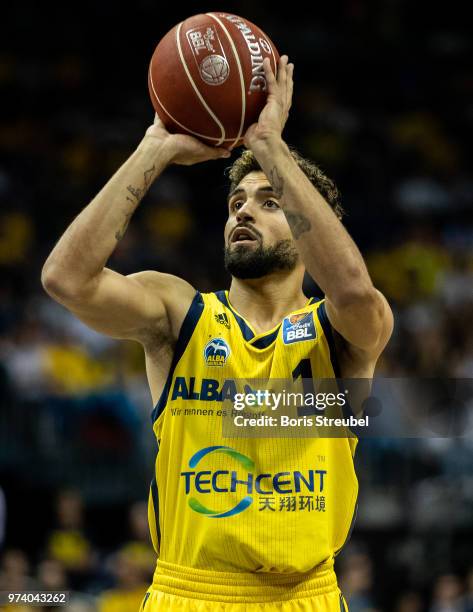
(206, 77)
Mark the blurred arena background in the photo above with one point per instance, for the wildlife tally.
(383, 102)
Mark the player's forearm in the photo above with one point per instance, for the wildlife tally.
(86, 245)
(330, 255)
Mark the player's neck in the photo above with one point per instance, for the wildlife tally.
(264, 302)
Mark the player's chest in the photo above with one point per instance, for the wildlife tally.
(220, 349)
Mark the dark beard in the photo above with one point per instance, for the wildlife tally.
(245, 263)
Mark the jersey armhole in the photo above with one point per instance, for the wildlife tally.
(185, 333)
(329, 334)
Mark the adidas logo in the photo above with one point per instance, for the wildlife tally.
(223, 319)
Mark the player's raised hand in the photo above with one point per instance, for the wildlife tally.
(180, 148)
(274, 115)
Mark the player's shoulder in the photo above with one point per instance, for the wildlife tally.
(167, 285)
(313, 304)
(153, 278)
(175, 293)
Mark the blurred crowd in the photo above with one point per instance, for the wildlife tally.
(116, 578)
(381, 103)
(69, 560)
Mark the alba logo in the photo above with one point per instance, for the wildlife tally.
(202, 480)
(216, 352)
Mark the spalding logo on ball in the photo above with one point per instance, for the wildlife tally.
(206, 77)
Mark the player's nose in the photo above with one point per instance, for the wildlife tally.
(245, 213)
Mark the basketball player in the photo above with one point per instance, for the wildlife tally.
(238, 524)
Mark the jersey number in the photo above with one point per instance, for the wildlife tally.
(304, 370)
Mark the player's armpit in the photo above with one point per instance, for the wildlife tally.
(365, 324)
(133, 306)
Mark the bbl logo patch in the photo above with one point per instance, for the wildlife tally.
(216, 352)
(299, 327)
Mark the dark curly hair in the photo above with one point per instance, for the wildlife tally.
(247, 163)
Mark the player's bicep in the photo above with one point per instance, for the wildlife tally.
(129, 306)
(365, 327)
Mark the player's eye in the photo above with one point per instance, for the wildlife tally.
(270, 204)
(236, 205)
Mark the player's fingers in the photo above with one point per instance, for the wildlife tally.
(290, 85)
(285, 84)
(221, 152)
(269, 74)
(207, 152)
(282, 72)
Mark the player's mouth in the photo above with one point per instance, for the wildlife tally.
(243, 235)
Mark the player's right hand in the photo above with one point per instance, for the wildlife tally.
(183, 149)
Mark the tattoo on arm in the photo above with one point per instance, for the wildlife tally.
(137, 193)
(121, 232)
(277, 182)
(148, 175)
(298, 223)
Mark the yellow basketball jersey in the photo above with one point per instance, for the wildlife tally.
(246, 504)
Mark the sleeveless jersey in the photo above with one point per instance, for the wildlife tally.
(281, 505)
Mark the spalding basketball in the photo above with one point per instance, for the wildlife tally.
(206, 77)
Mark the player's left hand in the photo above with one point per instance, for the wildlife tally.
(274, 115)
